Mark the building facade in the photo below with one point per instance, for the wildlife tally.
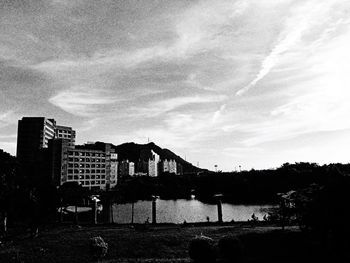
(33, 135)
(153, 164)
(64, 132)
(93, 166)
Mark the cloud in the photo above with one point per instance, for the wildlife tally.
(82, 101)
(7, 118)
(157, 108)
(296, 25)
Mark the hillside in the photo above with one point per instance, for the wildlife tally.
(133, 152)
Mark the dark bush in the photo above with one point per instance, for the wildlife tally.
(98, 247)
(202, 250)
(231, 249)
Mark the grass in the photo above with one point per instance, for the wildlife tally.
(166, 243)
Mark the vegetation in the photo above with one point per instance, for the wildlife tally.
(254, 186)
(202, 250)
(167, 244)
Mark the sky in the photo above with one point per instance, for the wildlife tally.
(250, 83)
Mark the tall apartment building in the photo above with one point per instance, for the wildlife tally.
(94, 166)
(64, 132)
(33, 135)
(153, 165)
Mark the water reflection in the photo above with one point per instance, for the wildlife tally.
(178, 211)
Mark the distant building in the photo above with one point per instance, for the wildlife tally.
(93, 166)
(126, 168)
(131, 169)
(168, 166)
(153, 165)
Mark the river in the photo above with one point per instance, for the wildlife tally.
(180, 210)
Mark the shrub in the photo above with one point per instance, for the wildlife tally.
(98, 247)
(202, 249)
(231, 249)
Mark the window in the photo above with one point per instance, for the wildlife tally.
(103, 176)
(92, 182)
(70, 171)
(76, 177)
(92, 176)
(70, 177)
(87, 176)
(87, 171)
(103, 182)
(70, 165)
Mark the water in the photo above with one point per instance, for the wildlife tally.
(180, 210)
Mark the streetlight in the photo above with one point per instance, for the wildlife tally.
(218, 202)
(154, 209)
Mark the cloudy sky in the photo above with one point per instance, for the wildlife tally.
(254, 83)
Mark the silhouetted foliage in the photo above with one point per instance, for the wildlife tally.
(202, 250)
(255, 186)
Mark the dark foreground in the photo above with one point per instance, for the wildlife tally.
(166, 243)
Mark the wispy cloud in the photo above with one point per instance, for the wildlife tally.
(167, 105)
(301, 19)
(7, 118)
(82, 101)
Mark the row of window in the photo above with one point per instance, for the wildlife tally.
(64, 131)
(97, 182)
(87, 171)
(71, 159)
(87, 154)
(87, 165)
(86, 177)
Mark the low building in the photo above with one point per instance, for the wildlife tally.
(94, 166)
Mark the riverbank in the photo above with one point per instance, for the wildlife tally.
(164, 243)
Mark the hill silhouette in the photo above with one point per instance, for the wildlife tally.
(133, 152)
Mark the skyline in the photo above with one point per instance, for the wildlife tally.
(227, 83)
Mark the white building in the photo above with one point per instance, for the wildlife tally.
(169, 166)
(153, 165)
